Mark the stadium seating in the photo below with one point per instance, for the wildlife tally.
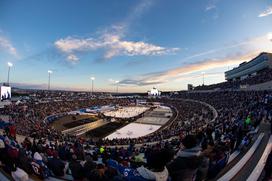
(207, 134)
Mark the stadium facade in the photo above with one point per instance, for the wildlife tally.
(251, 68)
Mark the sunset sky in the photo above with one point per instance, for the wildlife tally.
(141, 44)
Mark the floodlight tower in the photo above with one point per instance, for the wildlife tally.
(49, 78)
(9, 66)
(92, 78)
(117, 83)
(203, 73)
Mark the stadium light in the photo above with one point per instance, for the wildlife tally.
(49, 78)
(92, 78)
(203, 73)
(9, 66)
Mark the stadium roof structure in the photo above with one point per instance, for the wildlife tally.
(262, 61)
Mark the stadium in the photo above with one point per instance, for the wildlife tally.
(141, 126)
(232, 126)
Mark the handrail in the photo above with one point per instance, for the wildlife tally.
(4, 176)
(260, 166)
(237, 167)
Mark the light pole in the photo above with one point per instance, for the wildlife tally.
(9, 66)
(116, 82)
(203, 73)
(49, 78)
(92, 78)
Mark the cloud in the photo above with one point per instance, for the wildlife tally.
(269, 36)
(44, 86)
(70, 44)
(29, 85)
(212, 10)
(139, 82)
(247, 50)
(112, 45)
(117, 47)
(72, 58)
(135, 13)
(267, 12)
(6, 45)
(111, 80)
(184, 71)
(252, 41)
(210, 7)
(111, 41)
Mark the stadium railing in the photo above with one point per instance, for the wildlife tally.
(255, 175)
(238, 166)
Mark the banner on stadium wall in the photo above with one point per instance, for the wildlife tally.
(5, 93)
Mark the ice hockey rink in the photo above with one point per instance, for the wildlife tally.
(149, 123)
(133, 130)
(126, 112)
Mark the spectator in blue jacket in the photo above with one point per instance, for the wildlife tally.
(154, 170)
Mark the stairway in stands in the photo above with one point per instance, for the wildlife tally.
(245, 170)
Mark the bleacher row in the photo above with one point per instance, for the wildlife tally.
(248, 164)
(235, 172)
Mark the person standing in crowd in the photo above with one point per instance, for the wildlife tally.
(12, 131)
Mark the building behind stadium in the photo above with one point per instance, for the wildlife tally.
(250, 68)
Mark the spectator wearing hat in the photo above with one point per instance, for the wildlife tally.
(56, 165)
(76, 169)
(187, 162)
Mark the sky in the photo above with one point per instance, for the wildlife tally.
(137, 44)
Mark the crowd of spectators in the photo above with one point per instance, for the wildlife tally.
(29, 117)
(198, 148)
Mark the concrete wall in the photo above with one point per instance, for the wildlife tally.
(262, 86)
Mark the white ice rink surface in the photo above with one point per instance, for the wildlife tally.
(126, 112)
(133, 130)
